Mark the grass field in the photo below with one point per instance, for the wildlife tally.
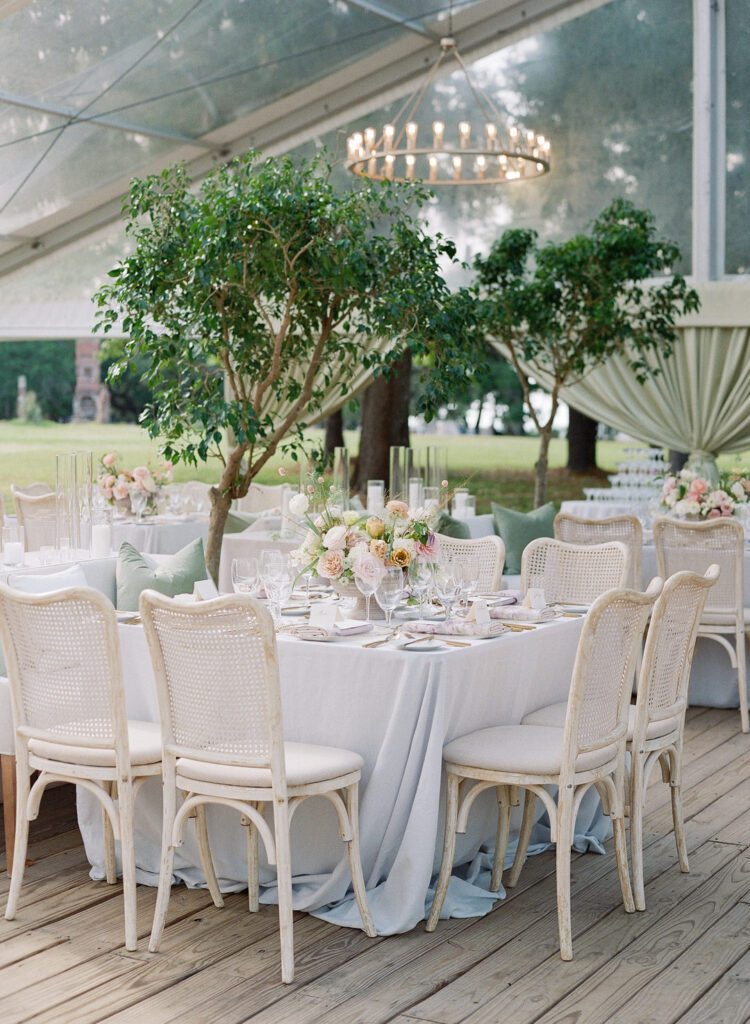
(495, 468)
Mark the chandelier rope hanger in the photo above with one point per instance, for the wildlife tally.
(494, 153)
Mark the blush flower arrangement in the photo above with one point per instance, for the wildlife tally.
(687, 494)
(115, 481)
(341, 545)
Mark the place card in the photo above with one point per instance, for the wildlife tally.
(535, 599)
(323, 615)
(480, 612)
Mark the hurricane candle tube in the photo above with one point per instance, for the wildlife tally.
(341, 477)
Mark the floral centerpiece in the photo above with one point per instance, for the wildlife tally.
(116, 482)
(343, 545)
(686, 494)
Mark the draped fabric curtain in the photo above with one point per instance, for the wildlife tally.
(700, 399)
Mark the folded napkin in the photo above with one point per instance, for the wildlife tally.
(518, 614)
(458, 628)
(504, 597)
(346, 627)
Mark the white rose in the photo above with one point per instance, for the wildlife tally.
(738, 491)
(299, 504)
(335, 538)
(351, 516)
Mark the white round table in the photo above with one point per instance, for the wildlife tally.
(250, 543)
(159, 535)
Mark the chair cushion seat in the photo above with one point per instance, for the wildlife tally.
(554, 715)
(144, 739)
(522, 749)
(722, 619)
(306, 763)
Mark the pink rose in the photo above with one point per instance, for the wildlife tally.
(699, 486)
(109, 459)
(282, 471)
(109, 481)
(368, 568)
(120, 489)
(398, 508)
(714, 514)
(330, 565)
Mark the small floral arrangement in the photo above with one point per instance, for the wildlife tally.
(116, 482)
(342, 545)
(687, 494)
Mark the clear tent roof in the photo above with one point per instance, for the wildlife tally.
(94, 92)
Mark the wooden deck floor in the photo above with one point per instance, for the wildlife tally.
(687, 958)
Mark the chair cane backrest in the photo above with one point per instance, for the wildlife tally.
(217, 679)
(668, 653)
(489, 553)
(693, 547)
(37, 514)
(627, 529)
(261, 498)
(573, 573)
(601, 685)
(63, 656)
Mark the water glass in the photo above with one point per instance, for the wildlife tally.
(447, 587)
(367, 589)
(244, 575)
(13, 545)
(467, 573)
(420, 582)
(278, 591)
(175, 500)
(389, 592)
(138, 502)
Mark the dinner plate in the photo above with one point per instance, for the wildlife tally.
(426, 645)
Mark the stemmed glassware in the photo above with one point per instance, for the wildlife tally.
(175, 500)
(389, 592)
(278, 580)
(138, 502)
(467, 572)
(367, 588)
(244, 575)
(420, 582)
(447, 587)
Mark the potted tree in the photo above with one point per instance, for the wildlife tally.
(262, 299)
(562, 309)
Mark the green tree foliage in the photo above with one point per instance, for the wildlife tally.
(254, 296)
(49, 368)
(566, 308)
(129, 393)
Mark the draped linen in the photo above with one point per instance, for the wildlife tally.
(699, 402)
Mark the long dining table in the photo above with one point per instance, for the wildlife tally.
(396, 708)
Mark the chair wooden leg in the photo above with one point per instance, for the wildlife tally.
(449, 849)
(169, 797)
(524, 838)
(21, 839)
(110, 859)
(678, 821)
(636, 799)
(125, 797)
(501, 838)
(742, 681)
(621, 855)
(284, 886)
(253, 873)
(207, 862)
(351, 798)
(564, 836)
(8, 775)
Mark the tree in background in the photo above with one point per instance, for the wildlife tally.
(566, 308)
(253, 299)
(129, 392)
(49, 368)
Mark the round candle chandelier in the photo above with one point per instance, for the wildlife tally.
(490, 153)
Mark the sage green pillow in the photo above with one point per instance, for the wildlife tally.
(239, 521)
(450, 527)
(517, 529)
(173, 575)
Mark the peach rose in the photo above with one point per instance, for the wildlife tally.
(379, 548)
(398, 508)
(109, 459)
(375, 527)
(400, 557)
(330, 565)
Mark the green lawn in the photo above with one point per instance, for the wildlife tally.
(498, 468)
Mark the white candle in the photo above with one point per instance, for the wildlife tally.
(286, 497)
(415, 493)
(101, 540)
(13, 552)
(375, 495)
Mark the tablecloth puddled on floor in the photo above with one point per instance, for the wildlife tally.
(397, 709)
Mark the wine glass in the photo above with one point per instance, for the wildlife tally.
(447, 587)
(367, 588)
(467, 572)
(175, 500)
(277, 579)
(420, 581)
(138, 502)
(389, 591)
(244, 575)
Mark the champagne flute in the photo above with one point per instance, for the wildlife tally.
(244, 575)
(389, 591)
(367, 588)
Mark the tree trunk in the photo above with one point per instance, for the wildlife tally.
(385, 422)
(334, 432)
(477, 425)
(220, 506)
(541, 465)
(581, 442)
